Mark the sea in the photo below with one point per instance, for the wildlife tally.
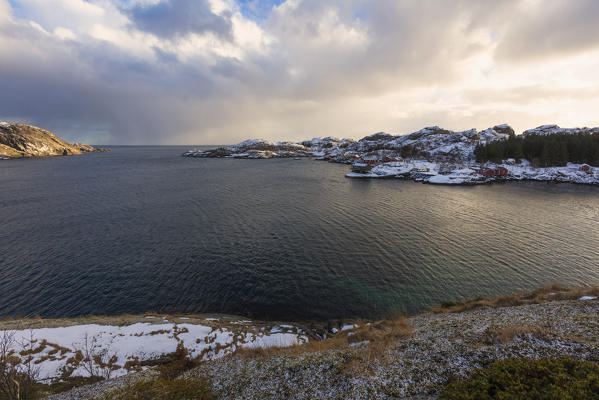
(142, 228)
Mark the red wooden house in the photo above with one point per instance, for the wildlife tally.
(370, 159)
(501, 171)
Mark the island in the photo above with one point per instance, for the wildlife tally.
(21, 141)
(441, 156)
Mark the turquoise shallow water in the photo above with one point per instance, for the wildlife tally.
(142, 228)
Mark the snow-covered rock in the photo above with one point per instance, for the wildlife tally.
(554, 129)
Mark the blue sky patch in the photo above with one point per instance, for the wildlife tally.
(257, 10)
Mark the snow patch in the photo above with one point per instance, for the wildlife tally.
(347, 327)
(144, 341)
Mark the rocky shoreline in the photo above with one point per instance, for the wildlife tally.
(430, 155)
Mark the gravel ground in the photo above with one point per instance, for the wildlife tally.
(99, 389)
(444, 347)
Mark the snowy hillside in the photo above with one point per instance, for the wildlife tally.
(430, 155)
(432, 143)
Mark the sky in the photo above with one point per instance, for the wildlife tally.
(222, 71)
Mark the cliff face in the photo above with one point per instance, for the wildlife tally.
(21, 140)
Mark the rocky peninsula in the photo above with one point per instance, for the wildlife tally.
(22, 140)
(431, 155)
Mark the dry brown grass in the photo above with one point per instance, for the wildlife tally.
(542, 295)
(506, 334)
(378, 335)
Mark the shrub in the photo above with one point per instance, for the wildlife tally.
(522, 378)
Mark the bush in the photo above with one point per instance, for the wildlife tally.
(165, 389)
(180, 362)
(522, 378)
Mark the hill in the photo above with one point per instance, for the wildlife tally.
(22, 140)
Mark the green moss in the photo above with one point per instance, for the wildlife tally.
(521, 378)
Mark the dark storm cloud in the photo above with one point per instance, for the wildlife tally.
(96, 91)
(173, 18)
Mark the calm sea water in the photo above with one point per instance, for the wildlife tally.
(142, 228)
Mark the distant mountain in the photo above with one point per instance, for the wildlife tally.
(22, 140)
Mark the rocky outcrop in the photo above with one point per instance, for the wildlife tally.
(22, 140)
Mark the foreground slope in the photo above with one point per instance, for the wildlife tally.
(386, 360)
(444, 347)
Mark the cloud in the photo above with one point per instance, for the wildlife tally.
(174, 18)
(208, 71)
(545, 29)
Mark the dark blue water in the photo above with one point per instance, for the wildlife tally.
(142, 228)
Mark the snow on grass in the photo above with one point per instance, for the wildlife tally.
(588, 298)
(143, 341)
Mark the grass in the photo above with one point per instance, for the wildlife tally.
(542, 295)
(378, 335)
(522, 378)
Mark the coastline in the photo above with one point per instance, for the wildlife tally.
(466, 174)
(138, 341)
